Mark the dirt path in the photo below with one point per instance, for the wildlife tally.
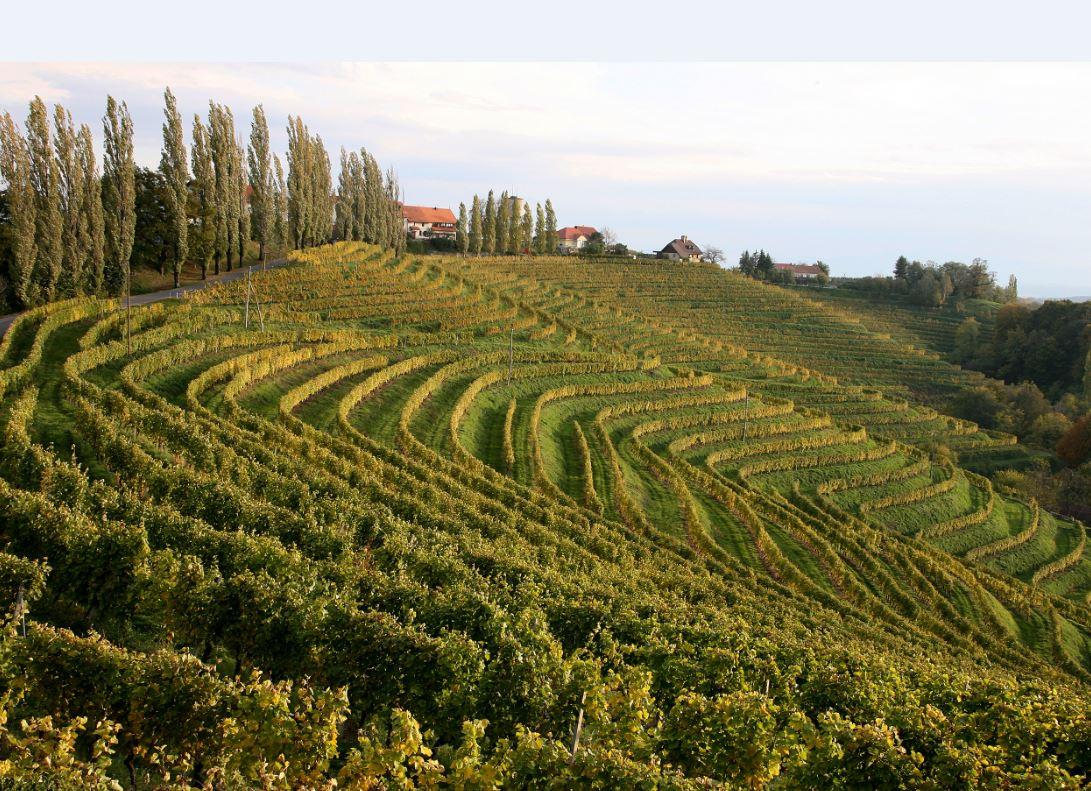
(170, 293)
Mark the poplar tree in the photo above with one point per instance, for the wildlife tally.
(322, 193)
(221, 125)
(489, 242)
(395, 225)
(551, 228)
(71, 184)
(241, 181)
(280, 233)
(203, 242)
(118, 193)
(49, 225)
(373, 198)
(539, 230)
(94, 223)
(503, 223)
(515, 234)
(21, 207)
(462, 241)
(526, 232)
(359, 197)
(175, 170)
(261, 181)
(299, 182)
(475, 226)
(344, 227)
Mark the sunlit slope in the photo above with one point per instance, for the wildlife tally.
(476, 488)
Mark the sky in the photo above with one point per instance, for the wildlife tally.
(850, 163)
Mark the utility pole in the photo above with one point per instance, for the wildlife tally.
(745, 414)
(128, 308)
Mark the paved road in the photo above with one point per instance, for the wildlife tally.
(169, 293)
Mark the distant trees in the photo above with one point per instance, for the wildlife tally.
(933, 285)
(714, 255)
(1074, 447)
(310, 214)
(20, 221)
(72, 186)
(757, 265)
(153, 236)
(506, 224)
(70, 227)
(49, 227)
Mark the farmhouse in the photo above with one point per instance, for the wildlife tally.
(800, 271)
(429, 222)
(681, 249)
(573, 238)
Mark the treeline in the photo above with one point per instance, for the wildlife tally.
(935, 285)
(505, 225)
(1048, 345)
(67, 229)
(760, 266)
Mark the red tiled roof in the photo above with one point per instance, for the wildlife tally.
(800, 269)
(573, 232)
(428, 214)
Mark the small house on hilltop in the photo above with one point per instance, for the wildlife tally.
(573, 238)
(801, 271)
(681, 249)
(429, 222)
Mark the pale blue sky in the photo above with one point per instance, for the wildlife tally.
(850, 163)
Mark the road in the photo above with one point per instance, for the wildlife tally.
(170, 293)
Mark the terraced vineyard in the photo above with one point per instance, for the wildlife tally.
(711, 523)
(928, 328)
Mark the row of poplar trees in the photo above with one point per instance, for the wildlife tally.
(67, 230)
(505, 226)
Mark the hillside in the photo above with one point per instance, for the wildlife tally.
(713, 522)
(926, 327)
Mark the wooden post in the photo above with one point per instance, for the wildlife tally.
(511, 351)
(20, 608)
(246, 314)
(579, 729)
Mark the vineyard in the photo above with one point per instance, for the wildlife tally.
(377, 521)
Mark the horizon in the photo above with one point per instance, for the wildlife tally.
(852, 164)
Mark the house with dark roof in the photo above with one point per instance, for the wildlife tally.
(681, 249)
(429, 222)
(800, 271)
(573, 238)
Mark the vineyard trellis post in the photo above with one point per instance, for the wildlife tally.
(511, 351)
(20, 607)
(246, 312)
(579, 729)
